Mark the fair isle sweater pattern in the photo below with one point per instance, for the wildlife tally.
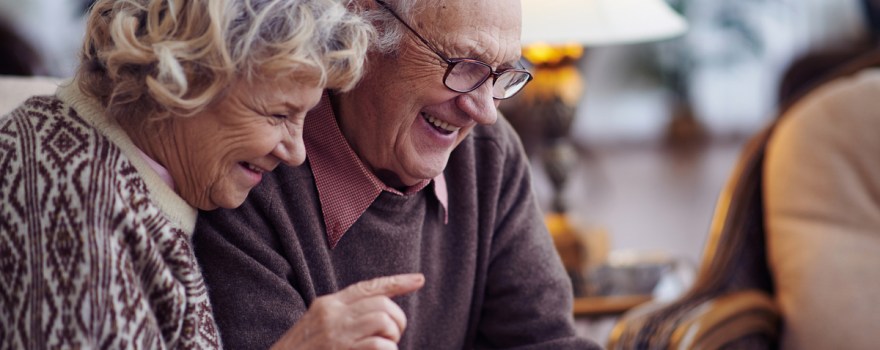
(87, 260)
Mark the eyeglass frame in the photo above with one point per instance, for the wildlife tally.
(452, 62)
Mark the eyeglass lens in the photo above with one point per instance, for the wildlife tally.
(508, 84)
(466, 76)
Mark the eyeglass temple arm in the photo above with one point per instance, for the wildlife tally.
(431, 46)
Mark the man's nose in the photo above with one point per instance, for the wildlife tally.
(479, 104)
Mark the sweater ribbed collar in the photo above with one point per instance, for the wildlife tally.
(169, 202)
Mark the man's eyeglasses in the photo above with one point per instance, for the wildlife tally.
(466, 74)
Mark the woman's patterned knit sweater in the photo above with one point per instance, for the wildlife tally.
(94, 248)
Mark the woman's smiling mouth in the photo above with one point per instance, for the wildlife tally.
(253, 168)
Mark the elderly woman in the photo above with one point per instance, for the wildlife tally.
(177, 106)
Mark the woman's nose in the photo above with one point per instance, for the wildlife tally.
(291, 149)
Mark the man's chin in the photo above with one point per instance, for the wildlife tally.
(436, 167)
(398, 181)
(428, 173)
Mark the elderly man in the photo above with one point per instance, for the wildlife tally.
(410, 172)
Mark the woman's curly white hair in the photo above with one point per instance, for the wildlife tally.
(154, 58)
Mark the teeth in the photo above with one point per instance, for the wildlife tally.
(440, 124)
(254, 168)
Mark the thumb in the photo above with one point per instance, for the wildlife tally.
(388, 286)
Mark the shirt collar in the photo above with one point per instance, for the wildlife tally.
(158, 168)
(346, 187)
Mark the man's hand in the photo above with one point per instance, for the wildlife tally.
(361, 316)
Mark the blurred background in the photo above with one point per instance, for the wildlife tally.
(635, 121)
(41, 37)
(658, 125)
(636, 117)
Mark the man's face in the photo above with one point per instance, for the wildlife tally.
(401, 120)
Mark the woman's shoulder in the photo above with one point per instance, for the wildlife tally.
(55, 161)
(31, 114)
(47, 133)
(44, 123)
(45, 137)
(77, 213)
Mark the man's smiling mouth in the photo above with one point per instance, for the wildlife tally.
(440, 125)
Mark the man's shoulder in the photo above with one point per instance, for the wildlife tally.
(498, 141)
(501, 132)
(286, 194)
(490, 155)
(283, 183)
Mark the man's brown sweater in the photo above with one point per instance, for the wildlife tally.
(493, 278)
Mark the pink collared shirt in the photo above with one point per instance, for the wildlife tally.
(158, 168)
(346, 187)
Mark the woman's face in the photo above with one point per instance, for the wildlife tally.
(222, 152)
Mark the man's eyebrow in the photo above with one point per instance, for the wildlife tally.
(507, 63)
(475, 51)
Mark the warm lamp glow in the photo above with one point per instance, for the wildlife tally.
(557, 224)
(567, 244)
(599, 22)
(545, 54)
(563, 82)
(554, 35)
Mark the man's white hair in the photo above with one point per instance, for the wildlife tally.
(390, 30)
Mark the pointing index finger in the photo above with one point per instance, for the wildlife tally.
(388, 286)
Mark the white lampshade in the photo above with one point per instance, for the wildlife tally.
(599, 22)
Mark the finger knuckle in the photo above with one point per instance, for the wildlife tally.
(386, 325)
(388, 304)
(378, 343)
(394, 310)
(385, 320)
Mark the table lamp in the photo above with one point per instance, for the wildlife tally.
(555, 34)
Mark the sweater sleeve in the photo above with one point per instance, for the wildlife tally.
(254, 304)
(528, 296)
